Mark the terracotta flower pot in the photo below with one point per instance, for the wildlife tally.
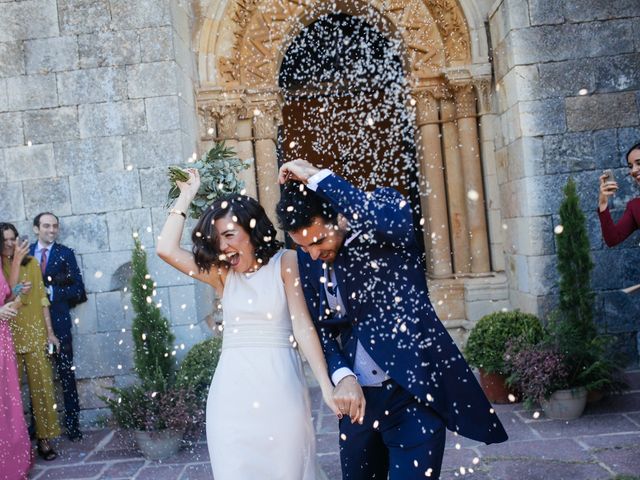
(565, 404)
(495, 387)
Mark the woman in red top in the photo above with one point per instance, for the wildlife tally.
(614, 233)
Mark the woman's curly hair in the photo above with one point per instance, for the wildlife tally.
(249, 215)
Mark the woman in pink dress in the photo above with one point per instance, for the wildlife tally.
(15, 448)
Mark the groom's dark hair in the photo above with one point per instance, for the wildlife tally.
(298, 206)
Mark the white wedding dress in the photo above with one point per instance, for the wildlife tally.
(258, 411)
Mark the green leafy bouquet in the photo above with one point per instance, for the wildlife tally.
(219, 169)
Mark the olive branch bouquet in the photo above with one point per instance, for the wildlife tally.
(219, 169)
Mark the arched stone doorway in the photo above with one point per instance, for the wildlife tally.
(345, 98)
(242, 47)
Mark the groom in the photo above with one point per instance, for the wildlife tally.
(397, 373)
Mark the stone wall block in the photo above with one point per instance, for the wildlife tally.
(109, 49)
(146, 150)
(100, 354)
(180, 21)
(605, 263)
(107, 119)
(28, 19)
(572, 41)
(32, 92)
(626, 138)
(88, 156)
(126, 14)
(51, 54)
(92, 85)
(162, 113)
(12, 201)
(110, 312)
(4, 97)
(46, 194)
(543, 271)
(183, 305)
(105, 192)
(155, 186)
(11, 59)
(567, 78)
(163, 273)
(581, 11)
(84, 233)
(600, 111)
(542, 117)
(11, 132)
(545, 12)
(618, 73)
(84, 317)
(525, 158)
(81, 16)
(122, 224)
(156, 44)
(152, 80)
(23, 163)
(51, 125)
(184, 56)
(101, 270)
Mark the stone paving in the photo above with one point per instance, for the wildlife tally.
(602, 444)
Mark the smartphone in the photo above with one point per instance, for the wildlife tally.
(609, 178)
(51, 348)
(17, 290)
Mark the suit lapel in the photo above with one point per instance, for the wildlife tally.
(53, 256)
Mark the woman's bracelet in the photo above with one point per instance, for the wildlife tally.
(178, 212)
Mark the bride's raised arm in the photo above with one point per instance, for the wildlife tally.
(168, 247)
(303, 329)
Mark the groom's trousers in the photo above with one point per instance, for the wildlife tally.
(400, 438)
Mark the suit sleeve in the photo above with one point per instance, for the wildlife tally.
(75, 289)
(385, 211)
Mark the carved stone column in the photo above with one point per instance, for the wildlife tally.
(455, 187)
(433, 195)
(474, 191)
(266, 117)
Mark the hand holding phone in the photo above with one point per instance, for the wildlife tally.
(608, 176)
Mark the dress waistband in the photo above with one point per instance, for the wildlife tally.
(257, 335)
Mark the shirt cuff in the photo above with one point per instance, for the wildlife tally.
(315, 179)
(341, 373)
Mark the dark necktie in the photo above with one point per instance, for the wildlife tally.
(43, 260)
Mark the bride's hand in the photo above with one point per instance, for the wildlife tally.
(190, 187)
(327, 396)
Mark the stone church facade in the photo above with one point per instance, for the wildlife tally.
(506, 100)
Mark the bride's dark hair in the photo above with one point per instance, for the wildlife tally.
(206, 245)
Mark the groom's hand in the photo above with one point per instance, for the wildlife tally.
(299, 170)
(349, 398)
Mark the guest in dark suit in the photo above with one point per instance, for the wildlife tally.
(65, 288)
(615, 233)
(398, 375)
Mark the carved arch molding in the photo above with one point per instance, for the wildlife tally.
(250, 42)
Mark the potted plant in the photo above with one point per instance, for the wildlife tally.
(155, 408)
(542, 375)
(486, 345)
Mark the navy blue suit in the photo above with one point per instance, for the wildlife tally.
(63, 276)
(382, 281)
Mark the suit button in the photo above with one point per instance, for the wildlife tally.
(375, 372)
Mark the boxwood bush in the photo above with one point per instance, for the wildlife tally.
(488, 340)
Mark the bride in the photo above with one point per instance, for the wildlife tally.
(258, 412)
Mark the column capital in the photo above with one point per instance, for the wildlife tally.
(266, 115)
(465, 98)
(483, 89)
